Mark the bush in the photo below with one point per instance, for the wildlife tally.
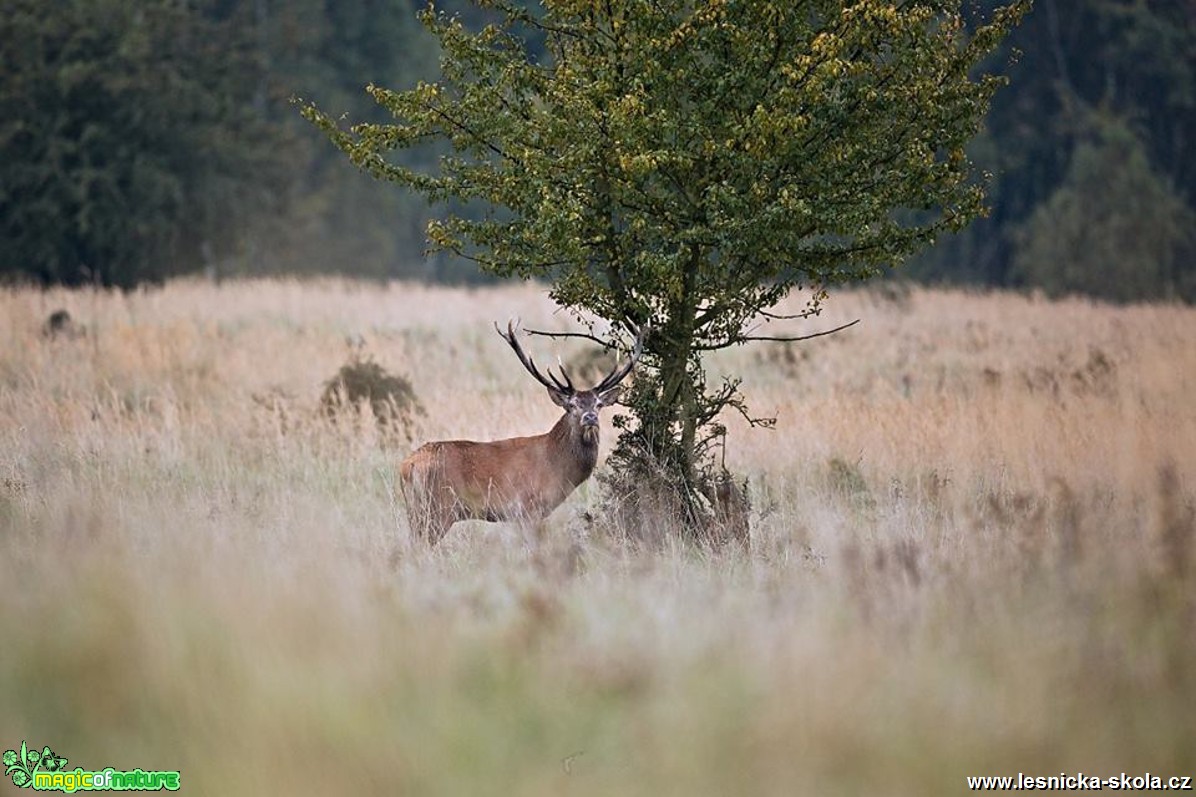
(361, 381)
(652, 505)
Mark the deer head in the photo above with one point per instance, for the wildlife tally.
(581, 406)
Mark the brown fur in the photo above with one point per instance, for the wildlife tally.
(521, 479)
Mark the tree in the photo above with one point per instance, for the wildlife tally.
(1113, 229)
(129, 146)
(1132, 60)
(685, 165)
(341, 221)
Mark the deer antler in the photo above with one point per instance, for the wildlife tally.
(619, 374)
(556, 384)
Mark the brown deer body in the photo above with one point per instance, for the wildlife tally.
(521, 479)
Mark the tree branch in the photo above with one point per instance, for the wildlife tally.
(606, 344)
(738, 339)
(778, 317)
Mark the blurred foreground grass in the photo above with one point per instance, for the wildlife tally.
(973, 553)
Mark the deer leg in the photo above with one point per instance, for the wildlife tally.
(530, 529)
(417, 515)
(439, 524)
(430, 520)
(431, 507)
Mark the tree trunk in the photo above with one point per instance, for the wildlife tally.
(668, 413)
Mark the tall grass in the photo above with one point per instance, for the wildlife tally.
(972, 553)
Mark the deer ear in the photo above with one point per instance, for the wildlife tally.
(559, 398)
(610, 395)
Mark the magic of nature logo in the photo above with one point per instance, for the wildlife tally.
(45, 770)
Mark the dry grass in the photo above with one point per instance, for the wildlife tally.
(973, 553)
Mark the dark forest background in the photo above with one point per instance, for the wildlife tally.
(142, 139)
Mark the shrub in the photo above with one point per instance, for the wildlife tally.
(362, 381)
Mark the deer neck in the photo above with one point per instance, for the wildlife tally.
(577, 457)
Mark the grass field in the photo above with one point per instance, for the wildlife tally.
(973, 552)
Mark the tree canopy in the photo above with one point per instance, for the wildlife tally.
(142, 139)
(1108, 82)
(130, 143)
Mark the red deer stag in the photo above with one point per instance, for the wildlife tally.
(520, 479)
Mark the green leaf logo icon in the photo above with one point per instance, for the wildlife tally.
(22, 766)
(51, 762)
